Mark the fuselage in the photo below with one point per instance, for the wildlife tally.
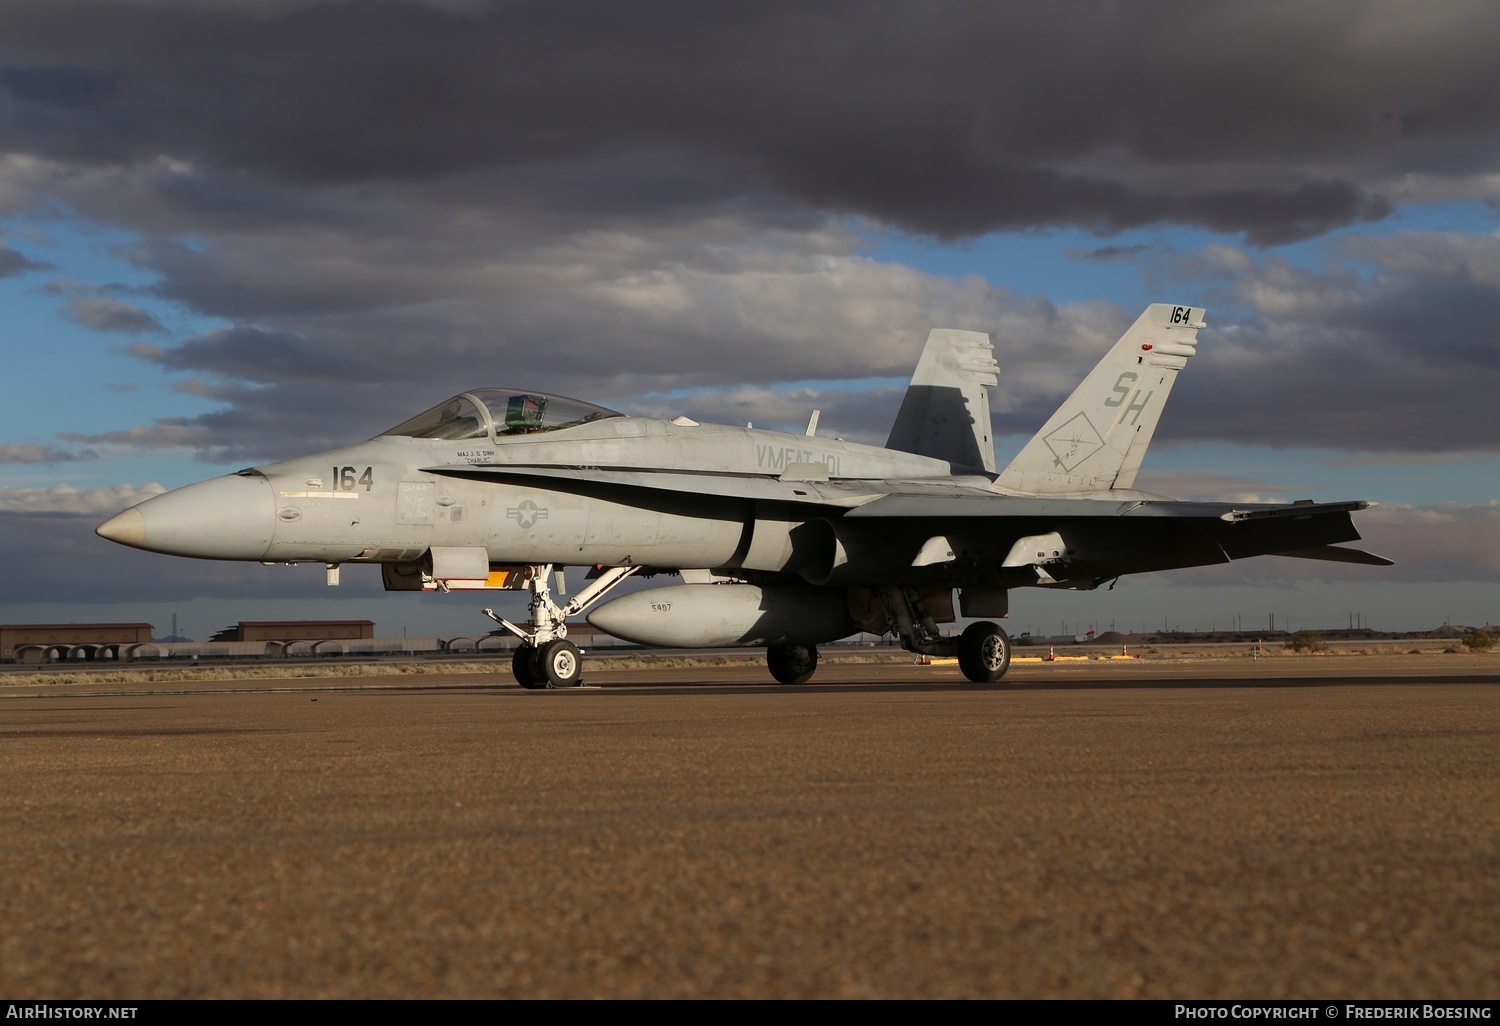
(497, 478)
(815, 537)
(382, 501)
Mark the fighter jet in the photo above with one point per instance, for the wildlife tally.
(780, 540)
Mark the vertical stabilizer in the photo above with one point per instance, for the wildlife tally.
(946, 412)
(1097, 439)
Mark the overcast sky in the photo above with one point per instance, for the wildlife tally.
(233, 231)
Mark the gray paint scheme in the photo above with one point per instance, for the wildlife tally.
(888, 531)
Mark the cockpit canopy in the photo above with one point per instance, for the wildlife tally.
(497, 412)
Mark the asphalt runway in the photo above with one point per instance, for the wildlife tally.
(1289, 828)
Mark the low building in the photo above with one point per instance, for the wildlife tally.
(56, 642)
(298, 630)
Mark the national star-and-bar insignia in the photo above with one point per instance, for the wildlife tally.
(527, 513)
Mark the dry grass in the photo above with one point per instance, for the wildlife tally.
(173, 674)
(500, 664)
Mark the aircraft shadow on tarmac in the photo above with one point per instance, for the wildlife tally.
(1013, 686)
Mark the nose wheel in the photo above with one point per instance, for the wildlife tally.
(556, 664)
(560, 662)
(523, 667)
(545, 658)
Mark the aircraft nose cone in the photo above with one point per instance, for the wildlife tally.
(225, 518)
(128, 528)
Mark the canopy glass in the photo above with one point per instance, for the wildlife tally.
(495, 412)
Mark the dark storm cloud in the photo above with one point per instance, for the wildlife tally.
(250, 354)
(104, 314)
(1394, 354)
(1277, 120)
(609, 341)
(1398, 355)
(258, 425)
(391, 203)
(1110, 254)
(13, 262)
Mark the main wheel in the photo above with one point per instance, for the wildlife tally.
(983, 652)
(560, 663)
(523, 666)
(792, 664)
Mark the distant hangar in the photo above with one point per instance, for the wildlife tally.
(126, 642)
(60, 642)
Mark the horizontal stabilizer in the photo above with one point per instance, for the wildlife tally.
(1338, 554)
(1301, 508)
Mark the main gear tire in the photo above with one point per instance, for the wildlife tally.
(792, 664)
(983, 652)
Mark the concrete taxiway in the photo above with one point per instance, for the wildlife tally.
(1283, 828)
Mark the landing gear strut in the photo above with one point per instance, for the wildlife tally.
(983, 650)
(545, 658)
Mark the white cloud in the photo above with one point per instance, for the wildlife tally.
(63, 498)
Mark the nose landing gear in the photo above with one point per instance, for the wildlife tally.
(545, 658)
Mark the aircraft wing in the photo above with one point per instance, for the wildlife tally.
(954, 497)
(906, 502)
(1304, 530)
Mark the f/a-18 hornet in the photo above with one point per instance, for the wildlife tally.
(781, 540)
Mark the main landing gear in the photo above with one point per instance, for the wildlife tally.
(546, 658)
(983, 649)
(792, 664)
